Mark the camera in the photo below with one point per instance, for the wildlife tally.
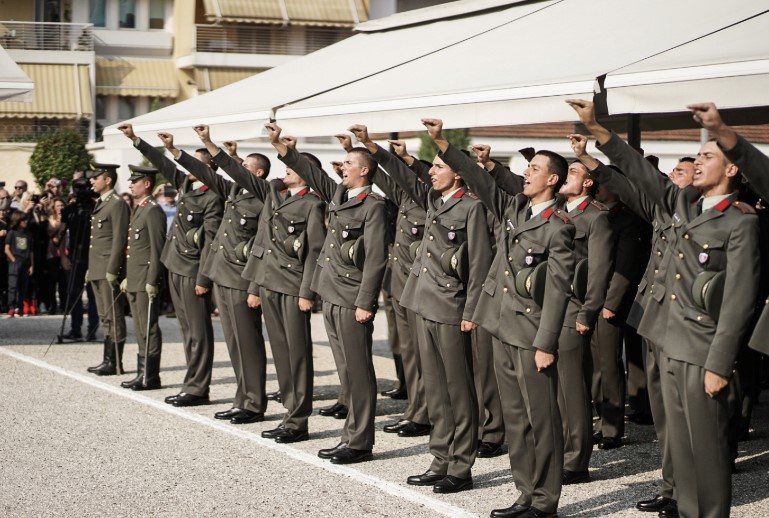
(2, 184)
(169, 192)
(35, 198)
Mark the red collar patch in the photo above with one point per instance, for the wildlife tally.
(204, 188)
(284, 190)
(303, 192)
(547, 213)
(144, 203)
(722, 205)
(583, 205)
(459, 193)
(362, 196)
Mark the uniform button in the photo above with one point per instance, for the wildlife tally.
(395, 258)
(766, 302)
(431, 238)
(429, 254)
(678, 276)
(529, 250)
(659, 254)
(510, 259)
(516, 241)
(664, 238)
(505, 290)
(276, 213)
(699, 317)
(173, 237)
(680, 255)
(346, 274)
(128, 247)
(507, 273)
(288, 266)
(221, 247)
(90, 246)
(434, 222)
(656, 271)
(176, 225)
(229, 221)
(185, 250)
(448, 285)
(276, 227)
(269, 251)
(686, 236)
(424, 269)
(333, 231)
(127, 256)
(401, 230)
(328, 259)
(673, 296)
(273, 239)
(528, 310)
(404, 216)
(225, 234)
(397, 245)
(332, 245)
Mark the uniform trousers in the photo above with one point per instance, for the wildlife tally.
(532, 425)
(452, 405)
(608, 383)
(697, 434)
(141, 312)
(290, 339)
(406, 321)
(194, 315)
(573, 399)
(635, 355)
(110, 308)
(655, 358)
(242, 328)
(491, 425)
(351, 344)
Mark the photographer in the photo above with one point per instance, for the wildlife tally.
(77, 219)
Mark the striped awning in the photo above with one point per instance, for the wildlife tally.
(61, 92)
(212, 78)
(136, 77)
(328, 13)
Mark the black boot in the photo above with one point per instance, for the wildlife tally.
(113, 361)
(139, 374)
(400, 391)
(152, 381)
(107, 346)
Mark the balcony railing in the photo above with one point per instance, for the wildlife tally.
(239, 39)
(46, 36)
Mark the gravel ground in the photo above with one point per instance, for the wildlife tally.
(75, 444)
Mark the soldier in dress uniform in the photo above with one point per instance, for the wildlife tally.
(241, 323)
(409, 232)
(106, 259)
(279, 270)
(144, 277)
(198, 216)
(716, 241)
(443, 289)
(349, 276)
(523, 304)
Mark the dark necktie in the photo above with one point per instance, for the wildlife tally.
(528, 213)
(288, 195)
(699, 206)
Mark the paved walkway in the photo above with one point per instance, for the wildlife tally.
(76, 444)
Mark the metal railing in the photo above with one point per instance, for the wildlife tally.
(241, 39)
(46, 36)
(31, 130)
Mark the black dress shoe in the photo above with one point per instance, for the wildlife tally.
(452, 484)
(329, 411)
(597, 436)
(654, 505)
(510, 512)
(228, 414)
(327, 453)
(351, 456)
(274, 396)
(73, 335)
(170, 399)
(414, 430)
(341, 413)
(533, 512)
(641, 418)
(670, 510)
(574, 477)
(396, 393)
(185, 399)
(97, 367)
(247, 416)
(428, 478)
(271, 434)
(489, 449)
(610, 443)
(153, 385)
(395, 427)
(290, 435)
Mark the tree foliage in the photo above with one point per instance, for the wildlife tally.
(427, 150)
(58, 154)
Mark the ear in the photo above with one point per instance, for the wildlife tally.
(588, 183)
(552, 180)
(732, 170)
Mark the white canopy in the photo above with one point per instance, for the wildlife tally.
(729, 67)
(519, 72)
(239, 110)
(15, 85)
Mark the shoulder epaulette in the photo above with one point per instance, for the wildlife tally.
(558, 213)
(471, 195)
(375, 196)
(599, 205)
(744, 207)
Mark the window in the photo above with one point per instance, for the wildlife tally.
(157, 14)
(101, 107)
(126, 108)
(97, 13)
(127, 18)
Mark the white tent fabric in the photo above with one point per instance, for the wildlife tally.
(239, 110)
(729, 67)
(15, 85)
(519, 72)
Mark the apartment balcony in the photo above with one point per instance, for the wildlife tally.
(261, 46)
(40, 42)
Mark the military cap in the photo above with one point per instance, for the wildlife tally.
(243, 249)
(138, 172)
(294, 245)
(708, 292)
(354, 253)
(454, 262)
(530, 283)
(97, 169)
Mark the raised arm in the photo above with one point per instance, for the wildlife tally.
(166, 166)
(508, 181)
(421, 169)
(315, 177)
(638, 170)
(753, 164)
